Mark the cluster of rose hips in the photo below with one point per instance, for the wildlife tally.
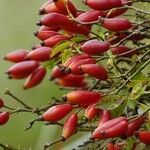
(61, 22)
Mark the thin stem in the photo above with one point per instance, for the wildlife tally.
(46, 146)
(136, 72)
(17, 99)
(138, 10)
(7, 147)
(32, 122)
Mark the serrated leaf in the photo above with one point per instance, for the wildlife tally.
(138, 90)
(59, 47)
(78, 38)
(66, 54)
(110, 102)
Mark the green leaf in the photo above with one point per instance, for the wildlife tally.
(119, 110)
(138, 90)
(78, 38)
(110, 102)
(51, 63)
(59, 47)
(132, 103)
(139, 78)
(66, 54)
(144, 107)
(101, 34)
(129, 143)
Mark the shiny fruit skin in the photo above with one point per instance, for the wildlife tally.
(95, 47)
(95, 71)
(4, 117)
(75, 58)
(71, 80)
(35, 78)
(75, 66)
(88, 16)
(110, 129)
(61, 6)
(52, 41)
(134, 125)
(91, 112)
(40, 54)
(53, 19)
(70, 126)
(144, 136)
(103, 4)
(105, 116)
(23, 68)
(82, 97)
(16, 56)
(57, 112)
(43, 35)
(116, 24)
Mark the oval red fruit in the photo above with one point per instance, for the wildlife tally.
(95, 71)
(116, 24)
(70, 126)
(104, 4)
(95, 47)
(91, 112)
(53, 19)
(57, 112)
(71, 80)
(23, 68)
(144, 136)
(4, 117)
(105, 116)
(52, 41)
(81, 97)
(35, 78)
(43, 35)
(110, 129)
(134, 125)
(40, 54)
(16, 56)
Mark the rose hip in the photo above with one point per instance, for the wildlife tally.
(91, 112)
(95, 71)
(82, 97)
(40, 54)
(115, 24)
(4, 117)
(57, 112)
(95, 47)
(52, 41)
(22, 68)
(35, 78)
(104, 4)
(17, 56)
(70, 126)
